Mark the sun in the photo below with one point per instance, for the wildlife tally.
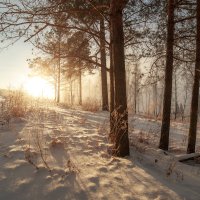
(39, 87)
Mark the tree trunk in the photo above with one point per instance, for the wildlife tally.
(80, 87)
(185, 101)
(164, 139)
(135, 89)
(175, 97)
(103, 66)
(112, 89)
(149, 103)
(195, 91)
(71, 92)
(155, 94)
(112, 94)
(55, 89)
(58, 90)
(146, 98)
(121, 143)
(160, 102)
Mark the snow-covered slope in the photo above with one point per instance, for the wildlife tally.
(59, 154)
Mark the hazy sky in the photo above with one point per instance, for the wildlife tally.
(13, 64)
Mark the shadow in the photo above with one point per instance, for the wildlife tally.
(25, 183)
(9, 135)
(155, 184)
(101, 176)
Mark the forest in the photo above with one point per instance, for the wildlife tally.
(110, 106)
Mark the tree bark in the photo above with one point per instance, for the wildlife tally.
(58, 89)
(55, 88)
(104, 85)
(59, 70)
(175, 96)
(112, 91)
(195, 91)
(71, 91)
(155, 94)
(121, 143)
(164, 139)
(80, 87)
(135, 88)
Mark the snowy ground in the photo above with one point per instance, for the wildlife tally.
(70, 149)
(178, 133)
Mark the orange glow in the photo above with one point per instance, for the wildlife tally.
(38, 87)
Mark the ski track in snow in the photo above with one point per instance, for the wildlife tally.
(93, 174)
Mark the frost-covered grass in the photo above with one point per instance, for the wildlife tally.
(55, 153)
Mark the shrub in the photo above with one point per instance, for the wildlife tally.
(91, 105)
(15, 104)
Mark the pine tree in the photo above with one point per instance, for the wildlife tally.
(121, 143)
(195, 90)
(164, 139)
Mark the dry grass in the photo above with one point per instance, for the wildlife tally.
(117, 131)
(71, 167)
(38, 144)
(29, 156)
(56, 143)
(16, 103)
(141, 140)
(91, 105)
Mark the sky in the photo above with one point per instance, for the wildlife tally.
(15, 72)
(13, 64)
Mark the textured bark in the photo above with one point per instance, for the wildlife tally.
(121, 143)
(103, 66)
(155, 94)
(55, 89)
(175, 96)
(135, 88)
(71, 91)
(80, 87)
(112, 91)
(155, 99)
(59, 70)
(164, 139)
(195, 91)
(58, 89)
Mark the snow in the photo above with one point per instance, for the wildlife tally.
(178, 132)
(1, 98)
(56, 154)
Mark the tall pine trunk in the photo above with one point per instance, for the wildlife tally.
(103, 66)
(164, 139)
(112, 91)
(80, 87)
(71, 91)
(59, 68)
(55, 88)
(155, 94)
(195, 91)
(58, 89)
(121, 143)
(135, 88)
(175, 96)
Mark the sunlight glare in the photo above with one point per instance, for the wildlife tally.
(38, 87)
